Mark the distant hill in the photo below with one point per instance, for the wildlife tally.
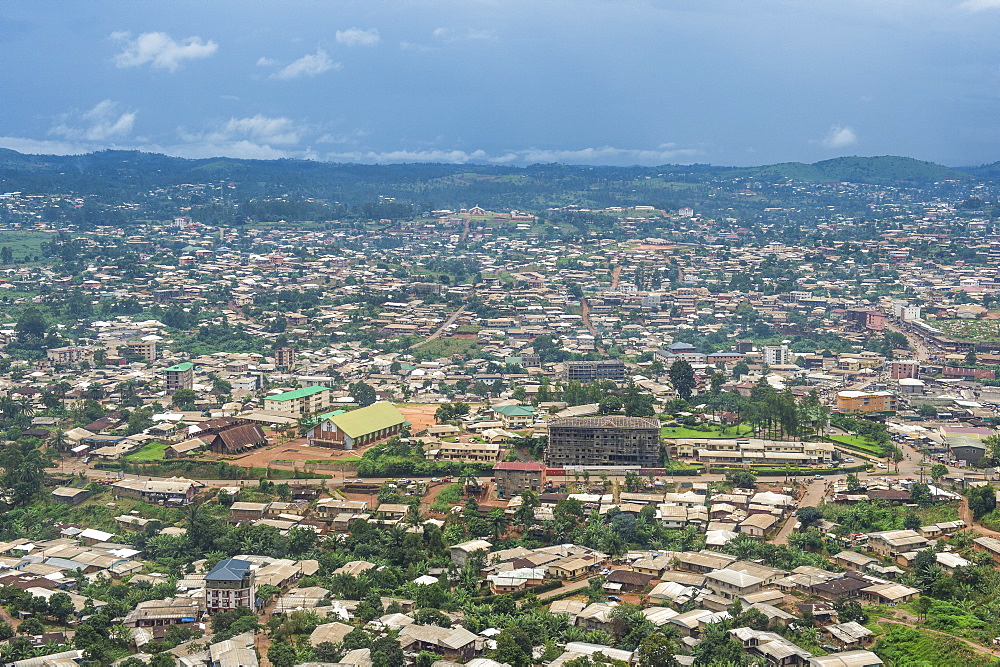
(986, 172)
(115, 176)
(882, 170)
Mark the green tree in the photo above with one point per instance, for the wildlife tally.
(681, 376)
(809, 516)
(743, 479)
(60, 607)
(31, 325)
(281, 655)
(657, 650)
(740, 369)
(982, 501)
(938, 470)
(183, 399)
(363, 393)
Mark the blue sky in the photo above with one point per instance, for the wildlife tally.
(726, 82)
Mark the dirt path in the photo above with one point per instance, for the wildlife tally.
(616, 275)
(441, 329)
(965, 514)
(812, 497)
(575, 586)
(967, 642)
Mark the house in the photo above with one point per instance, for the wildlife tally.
(629, 581)
(238, 439)
(758, 525)
(571, 567)
(510, 581)
(460, 553)
(175, 490)
(184, 449)
(169, 611)
(732, 584)
(854, 560)
(357, 428)
(515, 416)
(891, 543)
(450, 643)
(891, 594)
(771, 647)
(848, 635)
(329, 632)
(989, 545)
(230, 584)
(69, 495)
(847, 659)
(596, 616)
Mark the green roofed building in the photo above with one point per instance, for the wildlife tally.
(299, 402)
(515, 416)
(357, 428)
(179, 376)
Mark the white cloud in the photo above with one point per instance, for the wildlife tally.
(358, 37)
(311, 64)
(43, 147)
(101, 123)
(468, 35)
(266, 62)
(840, 136)
(260, 129)
(160, 50)
(979, 5)
(597, 156)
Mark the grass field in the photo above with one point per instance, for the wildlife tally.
(23, 244)
(984, 330)
(445, 347)
(154, 451)
(714, 432)
(857, 442)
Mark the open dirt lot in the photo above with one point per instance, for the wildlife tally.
(420, 415)
(293, 450)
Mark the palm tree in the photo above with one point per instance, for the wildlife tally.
(498, 521)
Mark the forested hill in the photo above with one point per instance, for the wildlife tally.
(126, 175)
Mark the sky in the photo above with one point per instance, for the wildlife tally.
(511, 82)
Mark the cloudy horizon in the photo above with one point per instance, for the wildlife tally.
(506, 82)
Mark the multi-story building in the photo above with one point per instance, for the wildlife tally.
(144, 348)
(904, 368)
(512, 478)
(776, 355)
(299, 402)
(487, 452)
(229, 585)
(284, 357)
(610, 440)
(70, 355)
(854, 402)
(179, 376)
(588, 371)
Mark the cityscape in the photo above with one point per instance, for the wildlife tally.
(574, 435)
(484, 333)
